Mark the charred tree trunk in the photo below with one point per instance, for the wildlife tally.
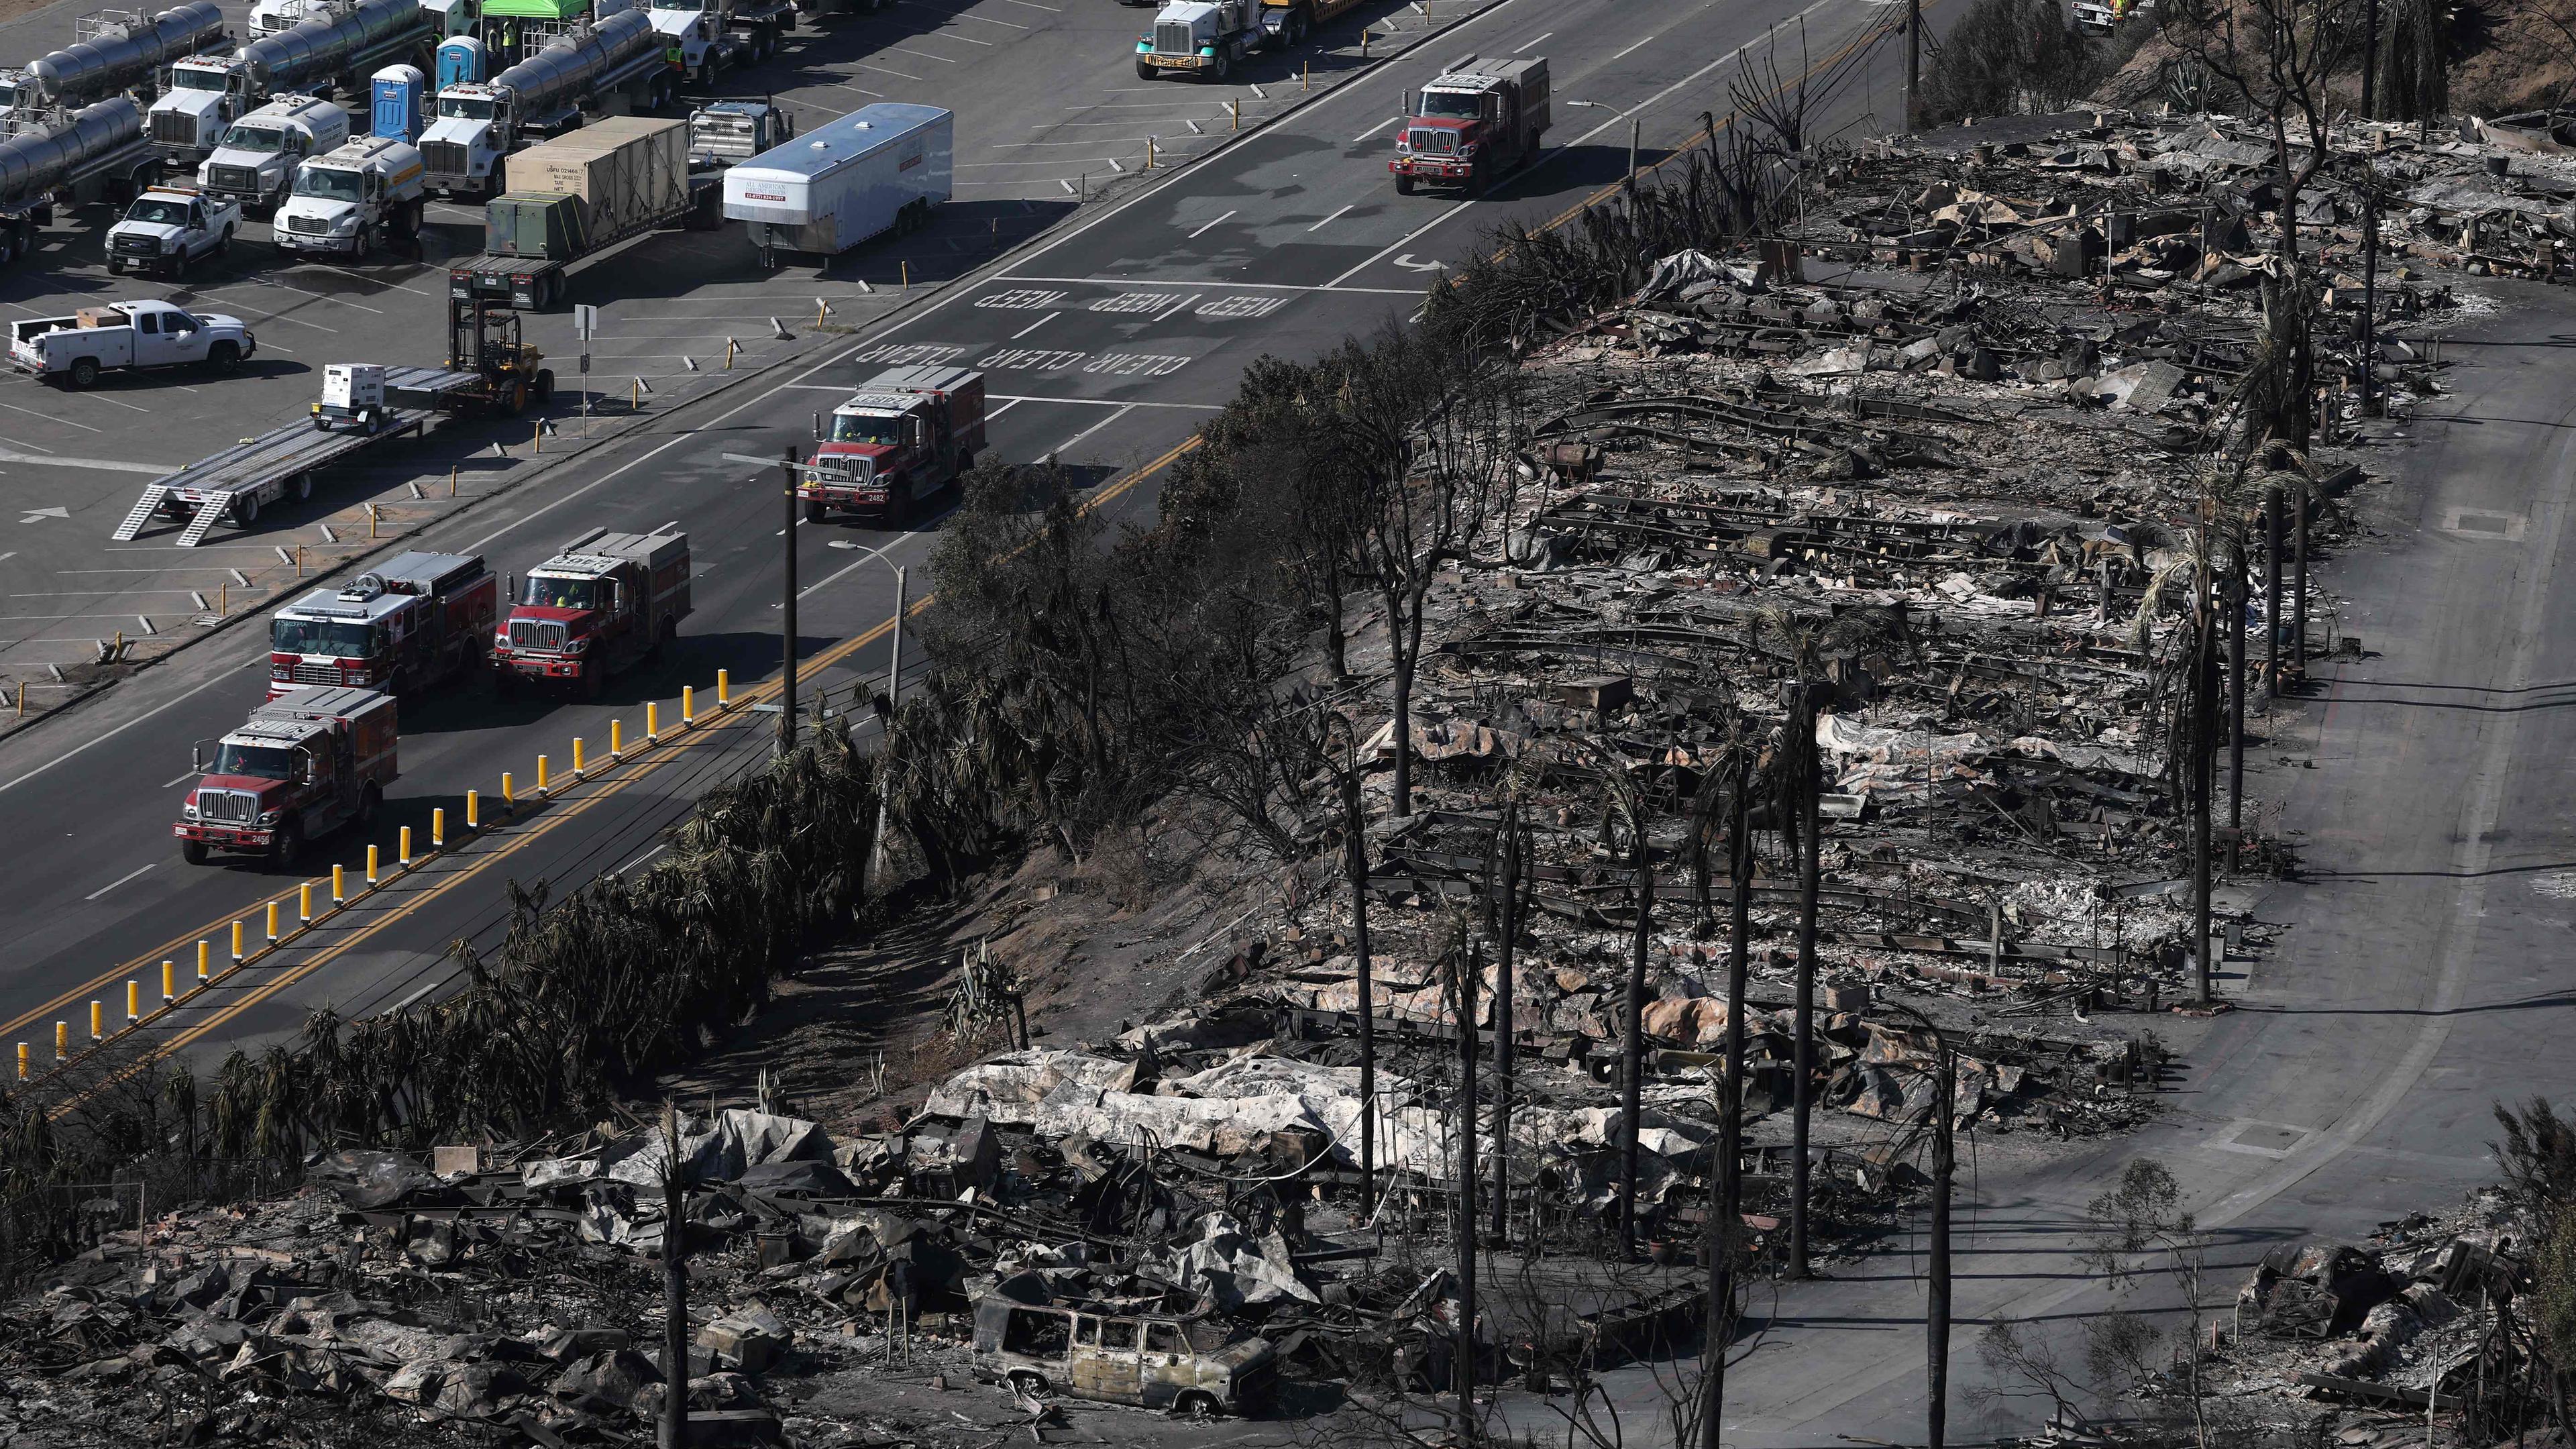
(1810, 868)
(1936, 1327)
(675, 1288)
(1728, 1218)
(1355, 826)
(1508, 926)
(1632, 1062)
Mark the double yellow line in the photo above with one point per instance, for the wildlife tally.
(652, 757)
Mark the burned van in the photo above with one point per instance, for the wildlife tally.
(1158, 1362)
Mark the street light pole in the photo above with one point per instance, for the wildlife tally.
(1913, 64)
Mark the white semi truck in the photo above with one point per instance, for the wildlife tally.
(359, 196)
(616, 62)
(117, 51)
(97, 152)
(338, 49)
(710, 36)
(255, 163)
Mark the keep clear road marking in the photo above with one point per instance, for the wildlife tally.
(1218, 222)
(898, 324)
(120, 880)
(1648, 103)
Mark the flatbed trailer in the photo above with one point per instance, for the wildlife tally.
(238, 481)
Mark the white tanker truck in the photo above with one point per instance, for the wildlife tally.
(337, 49)
(97, 152)
(617, 62)
(116, 52)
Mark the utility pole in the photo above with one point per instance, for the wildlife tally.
(1633, 125)
(787, 625)
(1508, 919)
(1355, 826)
(1936, 1326)
(1913, 65)
(2204, 710)
(675, 1286)
(1632, 1051)
(893, 700)
(1803, 1053)
(1471, 964)
(1728, 1219)
(2369, 215)
(2272, 591)
(2299, 585)
(2235, 686)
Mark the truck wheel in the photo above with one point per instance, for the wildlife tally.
(545, 392)
(303, 487)
(358, 249)
(224, 243)
(514, 397)
(179, 263)
(85, 372)
(1144, 71)
(245, 510)
(815, 512)
(370, 800)
(115, 268)
(898, 509)
(1196, 1405)
(224, 357)
(286, 846)
(194, 852)
(1403, 184)
(1221, 67)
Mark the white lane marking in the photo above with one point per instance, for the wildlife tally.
(110, 734)
(111, 885)
(129, 407)
(1204, 282)
(657, 849)
(1649, 40)
(1067, 445)
(881, 70)
(319, 296)
(1040, 161)
(1533, 40)
(1649, 102)
(1166, 313)
(839, 86)
(1103, 402)
(1218, 222)
(1005, 407)
(1032, 327)
(1373, 130)
(1058, 145)
(178, 779)
(104, 465)
(924, 54)
(1327, 221)
(1034, 5)
(31, 412)
(379, 281)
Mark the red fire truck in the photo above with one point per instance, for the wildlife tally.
(416, 621)
(299, 768)
(906, 434)
(1481, 119)
(606, 601)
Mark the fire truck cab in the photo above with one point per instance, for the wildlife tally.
(906, 434)
(1478, 121)
(299, 768)
(413, 622)
(606, 601)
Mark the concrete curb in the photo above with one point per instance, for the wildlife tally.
(819, 338)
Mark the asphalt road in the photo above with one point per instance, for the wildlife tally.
(1104, 346)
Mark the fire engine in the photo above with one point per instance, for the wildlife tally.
(606, 601)
(906, 434)
(1478, 120)
(299, 768)
(413, 622)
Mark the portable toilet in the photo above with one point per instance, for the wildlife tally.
(461, 60)
(401, 99)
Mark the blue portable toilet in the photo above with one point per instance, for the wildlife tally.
(401, 102)
(461, 60)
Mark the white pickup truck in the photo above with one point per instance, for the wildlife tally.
(169, 227)
(126, 334)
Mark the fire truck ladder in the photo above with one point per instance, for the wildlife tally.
(209, 513)
(144, 508)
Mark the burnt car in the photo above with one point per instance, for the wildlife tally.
(1157, 1362)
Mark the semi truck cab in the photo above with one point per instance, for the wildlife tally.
(1199, 37)
(206, 92)
(467, 139)
(366, 192)
(256, 162)
(907, 433)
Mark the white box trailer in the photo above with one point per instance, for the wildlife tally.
(881, 168)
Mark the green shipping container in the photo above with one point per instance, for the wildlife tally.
(535, 224)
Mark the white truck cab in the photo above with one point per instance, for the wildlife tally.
(1199, 37)
(473, 128)
(255, 163)
(359, 195)
(205, 93)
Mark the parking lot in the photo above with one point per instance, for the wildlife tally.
(1050, 117)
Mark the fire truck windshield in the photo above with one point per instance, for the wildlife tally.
(260, 762)
(548, 593)
(861, 428)
(1450, 105)
(338, 638)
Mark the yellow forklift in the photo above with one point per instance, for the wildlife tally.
(485, 340)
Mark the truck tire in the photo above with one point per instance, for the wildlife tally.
(115, 268)
(514, 397)
(1403, 184)
(245, 510)
(179, 263)
(303, 487)
(370, 800)
(545, 391)
(224, 357)
(286, 846)
(194, 852)
(224, 243)
(358, 249)
(898, 509)
(1221, 67)
(84, 373)
(1143, 71)
(815, 511)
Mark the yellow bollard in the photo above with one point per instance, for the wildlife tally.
(541, 777)
(578, 760)
(22, 1061)
(272, 923)
(304, 904)
(536, 437)
(636, 404)
(616, 738)
(1305, 75)
(907, 274)
(473, 809)
(237, 943)
(339, 884)
(1149, 153)
(652, 722)
(1364, 42)
(299, 560)
(62, 1040)
(509, 796)
(205, 955)
(97, 1021)
(438, 828)
(133, 1001)
(451, 480)
(223, 599)
(202, 977)
(371, 864)
(169, 982)
(724, 690)
(688, 704)
(402, 848)
(371, 520)
(1237, 107)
